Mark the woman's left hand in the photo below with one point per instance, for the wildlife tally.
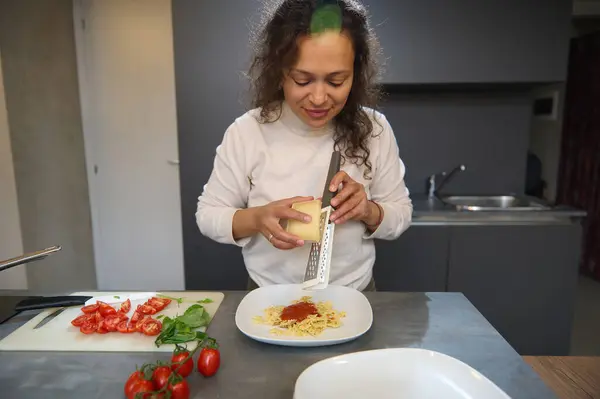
(351, 201)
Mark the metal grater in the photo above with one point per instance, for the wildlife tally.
(319, 259)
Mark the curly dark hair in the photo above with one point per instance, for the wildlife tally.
(275, 49)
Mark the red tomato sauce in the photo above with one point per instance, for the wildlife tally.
(298, 311)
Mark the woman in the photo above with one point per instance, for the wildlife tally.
(313, 76)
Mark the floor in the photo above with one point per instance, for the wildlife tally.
(578, 375)
(570, 377)
(585, 340)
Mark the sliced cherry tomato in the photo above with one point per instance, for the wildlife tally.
(79, 320)
(140, 323)
(124, 328)
(106, 309)
(102, 328)
(209, 361)
(136, 317)
(151, 327)
(98, 317)
(180, 390)
(89, 327)
(184, 369)
(160, 376)
(90, 308)
(147, 309)
(111, 322)
(158, 305)
(125, 306)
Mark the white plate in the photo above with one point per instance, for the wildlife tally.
(394, 373)
(358, 320)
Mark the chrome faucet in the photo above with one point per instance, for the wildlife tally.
(433, 189)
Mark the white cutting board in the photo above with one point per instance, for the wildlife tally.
(60, 335)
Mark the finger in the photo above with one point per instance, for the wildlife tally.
(353, 213)
(289, 213)
(346, 207)
(276, 242)
(346, 192)
(339, 178)
(289, 201)
(280, 234)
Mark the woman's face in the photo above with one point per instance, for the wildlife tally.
(317, 86)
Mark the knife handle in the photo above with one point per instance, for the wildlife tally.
(51, 302)
(334, 168)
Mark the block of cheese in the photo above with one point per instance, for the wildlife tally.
(306, 231)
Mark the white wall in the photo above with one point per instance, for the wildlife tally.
(11, 244)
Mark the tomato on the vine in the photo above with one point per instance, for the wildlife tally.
(136, 383)
(183, 369)
(209, 361)
(180, 390)
(160, 376)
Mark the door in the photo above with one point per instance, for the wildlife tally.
(125, 64)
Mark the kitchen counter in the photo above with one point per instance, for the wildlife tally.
(444, 322)
(433, 211)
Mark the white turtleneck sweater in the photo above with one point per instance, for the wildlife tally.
(260, 163)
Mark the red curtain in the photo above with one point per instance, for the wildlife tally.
(579, 173)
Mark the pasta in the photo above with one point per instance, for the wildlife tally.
(302, 318)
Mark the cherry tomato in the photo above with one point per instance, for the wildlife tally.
(124, 328)
(98, 317)
(140, 323)
(160, 376)
(165, 301)
(111, 322)
(209, 361)
(136, 317)
(90, 308)
(147, 309)
(106, 309)
(125, 306)
(79, 320)
(180, 390)
(151, 327)
(156, 304)
(88, 327)
(137, 384)
(184, 369)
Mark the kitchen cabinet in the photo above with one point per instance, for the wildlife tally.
(417, 261)
(470, 41)
(522, 278)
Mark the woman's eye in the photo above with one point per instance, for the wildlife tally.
(301, 83)
(336, 84)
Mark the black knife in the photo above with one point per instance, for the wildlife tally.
(51, 302)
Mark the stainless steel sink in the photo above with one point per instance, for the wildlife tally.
(494, 203)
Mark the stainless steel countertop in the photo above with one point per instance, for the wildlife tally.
(435, 212)
(444, 322)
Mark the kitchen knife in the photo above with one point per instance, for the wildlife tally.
(51, 302)
(48, 318)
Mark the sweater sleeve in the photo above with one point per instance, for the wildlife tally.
(388, 188)
(226, 191)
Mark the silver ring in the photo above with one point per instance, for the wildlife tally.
(270, 237)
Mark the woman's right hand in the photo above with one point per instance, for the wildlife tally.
(267, 217)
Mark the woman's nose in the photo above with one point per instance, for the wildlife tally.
(318, 95)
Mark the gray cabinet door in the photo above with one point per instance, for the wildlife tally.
(211, 52)
(473, 41)
(522, 279)
(416, 261)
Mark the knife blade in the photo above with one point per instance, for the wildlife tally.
(49, 318)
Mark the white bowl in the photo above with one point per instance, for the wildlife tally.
(394, 373)
(358, 320)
